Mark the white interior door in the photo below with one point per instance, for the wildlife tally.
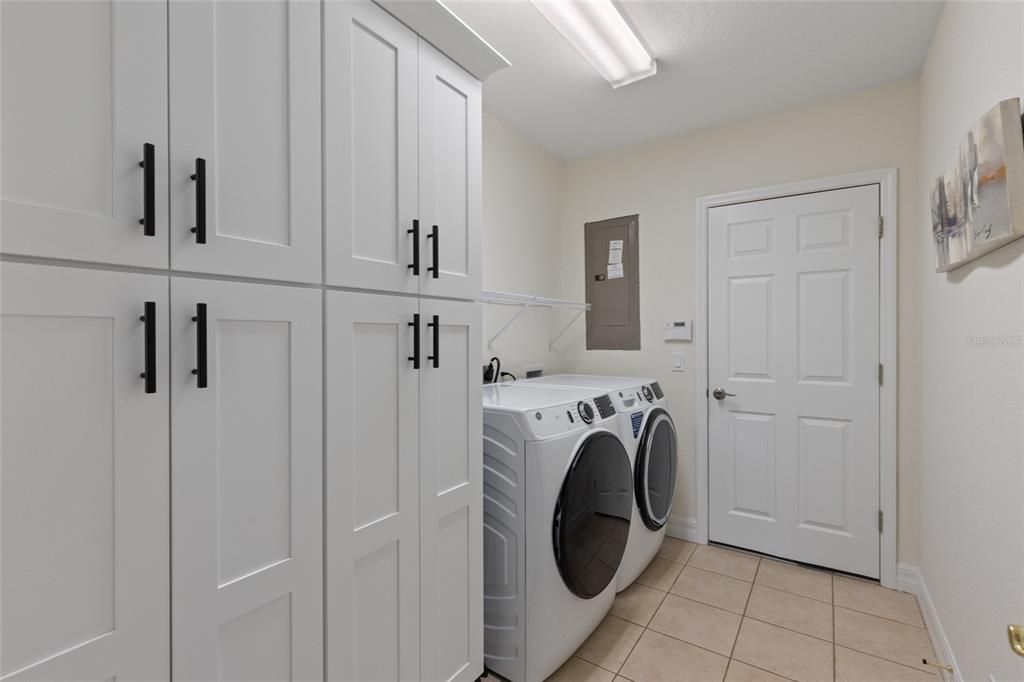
(372, 488)
(369, 148)
(84, 471)
(84, 88)
(246, 471)
(449, 179)
(245, 78)
(451, 492)
(793, 333)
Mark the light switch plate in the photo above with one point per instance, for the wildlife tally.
(677, 362)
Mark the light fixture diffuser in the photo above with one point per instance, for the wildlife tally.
(598, 32)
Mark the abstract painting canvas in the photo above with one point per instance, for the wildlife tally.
(978, 205)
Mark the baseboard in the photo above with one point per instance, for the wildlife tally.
(909, 579)
(682, 527)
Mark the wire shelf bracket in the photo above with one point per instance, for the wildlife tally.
(525, 301)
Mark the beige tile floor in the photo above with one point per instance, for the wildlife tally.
(704, 613)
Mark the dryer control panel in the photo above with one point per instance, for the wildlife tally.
(568, 417)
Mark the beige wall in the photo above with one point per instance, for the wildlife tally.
(972, 399)
(661, 181)
(522, 192)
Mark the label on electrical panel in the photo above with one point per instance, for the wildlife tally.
(636, 419)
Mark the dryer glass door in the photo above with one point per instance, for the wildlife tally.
(592, 515)
(655, 482)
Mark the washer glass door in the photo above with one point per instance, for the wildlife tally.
(655, 482)
(591, 523)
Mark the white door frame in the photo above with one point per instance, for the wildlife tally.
(886, 179)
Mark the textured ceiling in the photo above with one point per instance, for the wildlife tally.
(716, 61)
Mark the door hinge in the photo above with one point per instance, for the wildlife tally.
(881, 226)
(881, 521)
(881, 374)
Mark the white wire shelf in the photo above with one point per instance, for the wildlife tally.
(526, 301)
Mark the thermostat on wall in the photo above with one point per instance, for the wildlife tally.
(679, 330)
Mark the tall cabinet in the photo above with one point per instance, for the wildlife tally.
(240, 344)
(403, 413)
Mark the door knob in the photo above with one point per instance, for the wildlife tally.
(721, 394)
(1016, 634)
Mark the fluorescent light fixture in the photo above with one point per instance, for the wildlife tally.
(599, 33)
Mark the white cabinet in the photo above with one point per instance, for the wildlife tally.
(245, 121)
(404, 489)
(402, 159)
(372, 488)
(84, 471)
(370, 154)
(449, 177)
(451, 493)
(246, 480)
(84, 91)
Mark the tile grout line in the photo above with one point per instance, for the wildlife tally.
(644, 627)
(835, 664)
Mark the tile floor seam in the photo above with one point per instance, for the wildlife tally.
(764, 670)
(798, 594)
(698, 646)
(796, 632)
(835, 649)
(887, 660)
(891, 620)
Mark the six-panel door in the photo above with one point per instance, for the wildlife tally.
(449, 177)
(370, 133)
(84, 90)
(245, 99)
(451, 499)
(246, 481)
(372, 479)
(793, 341)
(84, 471)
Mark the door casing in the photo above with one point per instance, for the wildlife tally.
(887, 181)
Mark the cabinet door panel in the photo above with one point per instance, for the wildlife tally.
(84, 87)
(372, 488)
(451, 494)
(84, 471)
(247, 481)
(246, 82)
(449, 180)
(370, 147)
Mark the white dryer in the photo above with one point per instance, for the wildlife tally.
(558, 497)
(647, 430)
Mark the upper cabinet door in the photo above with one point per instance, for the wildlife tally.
(84, 90)
(84, 499)
(246, 481)
(245, 131)
(449, 180)
(451, 493)
(370, 148)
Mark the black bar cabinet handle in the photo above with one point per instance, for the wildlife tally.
(148, 165)
(200, 371)
(434, 269)
(436, 357)
(200, 178)
(415, 357)
(415, 232)
(150, 319)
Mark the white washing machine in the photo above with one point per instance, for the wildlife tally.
(558, 495)
(647, 430)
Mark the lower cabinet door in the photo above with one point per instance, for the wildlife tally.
(246, 468)
(372, 478)
(84, 547)
(451, 492)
